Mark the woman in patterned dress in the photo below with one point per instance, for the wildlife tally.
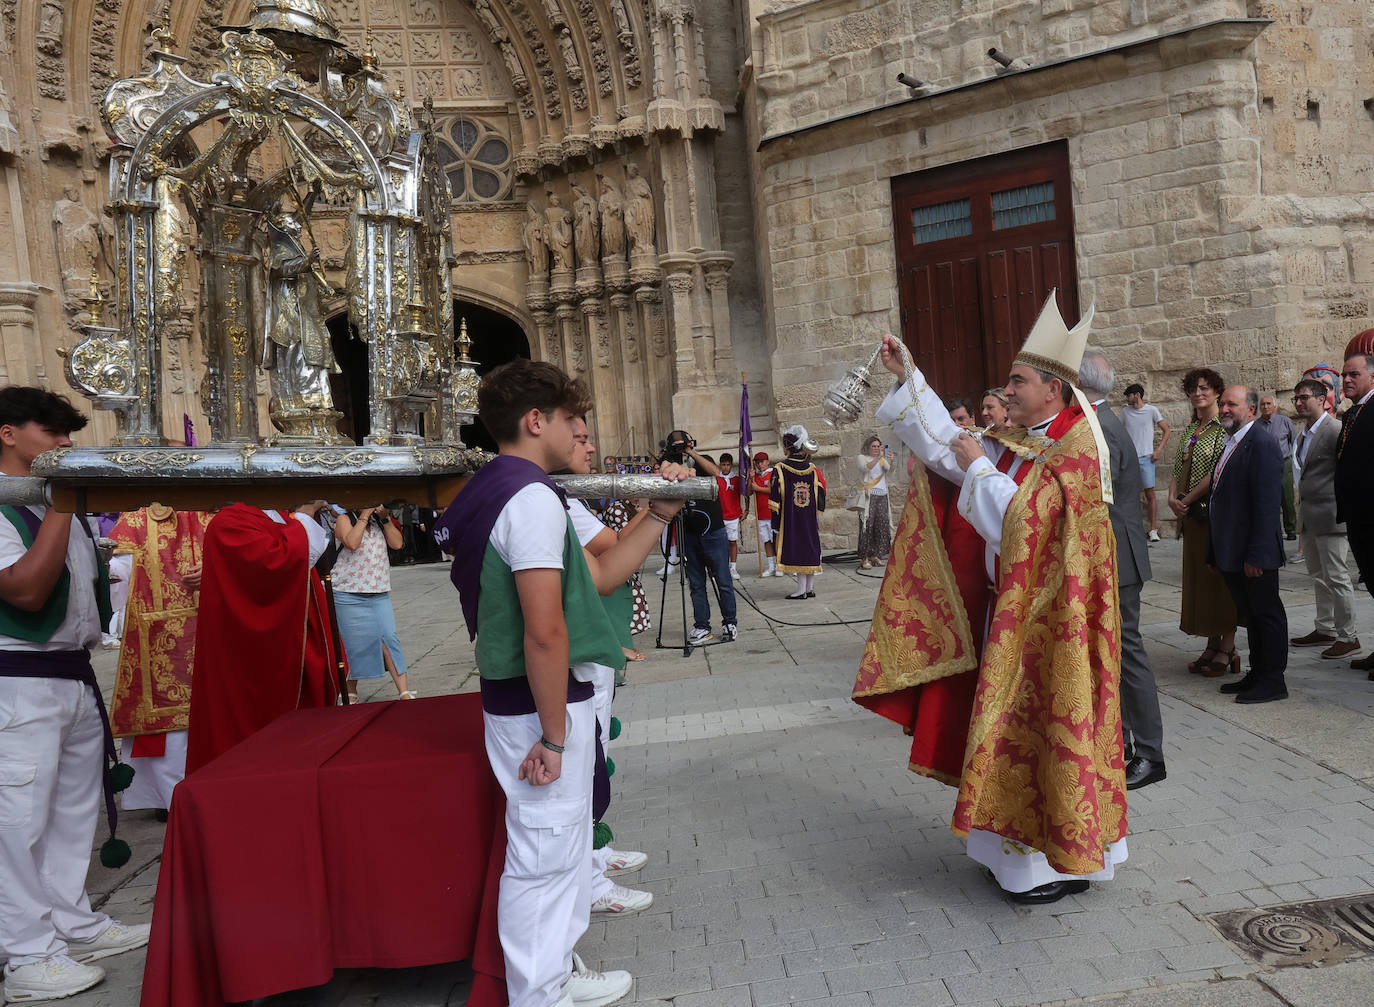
(875, 531)
(616, 516)
(1207, 609)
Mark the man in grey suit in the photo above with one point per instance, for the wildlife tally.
(1141, 722)
(1323, 540)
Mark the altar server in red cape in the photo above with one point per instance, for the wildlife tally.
(263, 640)
(1004, 662)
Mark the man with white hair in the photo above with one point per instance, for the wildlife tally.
(1142, 726)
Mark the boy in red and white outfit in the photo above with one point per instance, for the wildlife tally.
(731, 505)
(759, 484)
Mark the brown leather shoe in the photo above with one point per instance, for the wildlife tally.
(1363, 663)
(1312, 639)
(1341, 648)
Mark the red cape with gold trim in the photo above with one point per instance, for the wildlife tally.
(1040, 729)
(263, 644)
(152, 692)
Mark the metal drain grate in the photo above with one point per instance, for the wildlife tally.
(1304, 933)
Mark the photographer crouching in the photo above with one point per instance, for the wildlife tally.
(705, 546)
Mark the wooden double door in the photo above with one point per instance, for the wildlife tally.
(980, 245)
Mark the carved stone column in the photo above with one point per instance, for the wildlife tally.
(19, 331)
(716, 266)
(680, 281)
(573, 340)
(551, 347)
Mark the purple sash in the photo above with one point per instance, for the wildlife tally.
(466, 524)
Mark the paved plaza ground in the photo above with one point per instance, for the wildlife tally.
(795, 859)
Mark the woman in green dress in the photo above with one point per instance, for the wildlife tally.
(1207, 608)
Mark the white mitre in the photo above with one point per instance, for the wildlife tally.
(1054, 347)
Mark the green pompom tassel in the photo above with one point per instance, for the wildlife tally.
(614, 732)
(610, 766)
(121, 775)
(115, 853)
(601, 835)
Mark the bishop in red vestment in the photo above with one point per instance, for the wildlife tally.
(264, 645)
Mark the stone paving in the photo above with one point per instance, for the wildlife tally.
(794, 859)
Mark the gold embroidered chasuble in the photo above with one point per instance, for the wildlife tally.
(152, 693)
(1042, 754)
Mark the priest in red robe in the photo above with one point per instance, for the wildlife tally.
(152, 691)
(264, 644)
(996, 639)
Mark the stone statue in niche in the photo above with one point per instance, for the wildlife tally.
(78, 246)
(559, 233)
(587, 226)
(612, 206)
(536, 241)
(639, 210)
(622, 21)
(50, 20)
(568, 51)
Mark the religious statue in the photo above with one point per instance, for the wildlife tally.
(639, 210)
(78, 245)
(559, 234)
(623, 30)
(296, 350)
(612, 206)
(536, 243)
(587, 226)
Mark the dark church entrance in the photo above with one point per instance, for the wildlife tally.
(496, 339)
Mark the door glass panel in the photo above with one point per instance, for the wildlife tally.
(941, 221)
(1030, 204)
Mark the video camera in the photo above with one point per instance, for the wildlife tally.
(674, 447)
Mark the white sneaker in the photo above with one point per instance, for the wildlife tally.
(595, 989)
(113, 940)
(734, 572)
(622, 901)
(1154, 534)
(565, 1001)
(625, 862)
(53, 978)
(729, 631)
(698, 637)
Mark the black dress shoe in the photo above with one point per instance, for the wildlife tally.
(1052, 892)
(811, 594)
(796, 597)
(1244, 685)
(1363, 663)
(1263, 694)
(1143, 772)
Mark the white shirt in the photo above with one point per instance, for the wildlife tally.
(317, 536)
(1140, 424)
(80, 630)
(530, 530)
(1231, 441)
(587, 525)
(879, 468)
(985, 493)
(1305, 441)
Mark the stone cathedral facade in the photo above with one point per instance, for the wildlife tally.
(662, 195)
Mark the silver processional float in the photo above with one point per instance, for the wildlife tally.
(213, 185)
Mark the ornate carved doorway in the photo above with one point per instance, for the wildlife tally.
(980, 245)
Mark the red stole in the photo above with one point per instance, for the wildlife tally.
(263, 644)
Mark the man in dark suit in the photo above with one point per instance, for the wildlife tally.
(1141, 722)
(1246, 542)
(1355, 473)
(1322, 537)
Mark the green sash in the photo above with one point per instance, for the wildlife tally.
(39, 626)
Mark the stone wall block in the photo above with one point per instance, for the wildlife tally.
(1144, 208)
(1142, 289)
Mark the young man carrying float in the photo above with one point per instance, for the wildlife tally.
(540, 626)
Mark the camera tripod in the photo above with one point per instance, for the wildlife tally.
(676, 534)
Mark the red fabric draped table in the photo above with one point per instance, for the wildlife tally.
(348, 837)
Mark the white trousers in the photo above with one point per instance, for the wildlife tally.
(543, 908)
(1328, 562)
(51, 761)
(154, 777)
(603, 681)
